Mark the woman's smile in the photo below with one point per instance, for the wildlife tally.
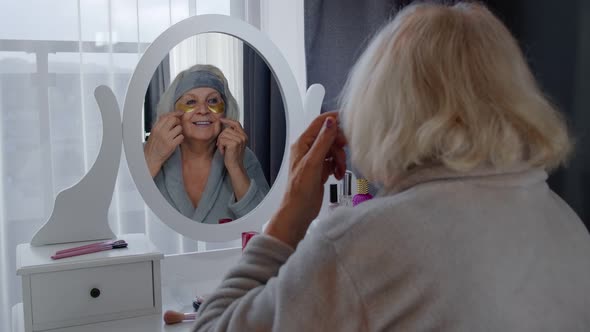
(201, 126)
(202, 123)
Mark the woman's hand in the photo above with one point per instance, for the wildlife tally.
(165, 136)
(318, 153)
(231, 142)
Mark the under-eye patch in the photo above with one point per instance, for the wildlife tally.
(186, 108)
(217, 108)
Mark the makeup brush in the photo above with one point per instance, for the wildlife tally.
(173, 317)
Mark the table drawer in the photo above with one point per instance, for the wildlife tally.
(81, 296)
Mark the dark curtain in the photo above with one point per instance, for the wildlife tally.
(264, 114)
(156, 88)
(336, 33)
(555, 38)
(554, 35)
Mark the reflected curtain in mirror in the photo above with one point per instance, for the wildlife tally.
(158, 85)
(264, 114)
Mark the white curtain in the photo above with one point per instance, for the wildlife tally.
(52, 56)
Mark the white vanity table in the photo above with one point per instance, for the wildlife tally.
(185, 276)
(56, 293)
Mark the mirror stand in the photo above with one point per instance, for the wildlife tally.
(80, 213)
(78, 278)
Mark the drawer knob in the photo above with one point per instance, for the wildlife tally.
(95, 292)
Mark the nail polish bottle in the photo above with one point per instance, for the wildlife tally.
(346, 198)
(362, 192)
(333, 197)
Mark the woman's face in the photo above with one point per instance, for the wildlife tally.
(200, 124)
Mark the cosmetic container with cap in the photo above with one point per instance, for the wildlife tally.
(333, 197)
(346, 198)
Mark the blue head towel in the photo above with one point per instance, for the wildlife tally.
(199, 79)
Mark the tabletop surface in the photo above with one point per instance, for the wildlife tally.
(38, 259)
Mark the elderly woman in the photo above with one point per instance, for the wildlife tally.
(197, 150)
(442, 111)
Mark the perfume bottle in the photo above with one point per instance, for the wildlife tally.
(362, 192)
(346, 198)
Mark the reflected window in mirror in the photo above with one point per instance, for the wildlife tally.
(214, 153)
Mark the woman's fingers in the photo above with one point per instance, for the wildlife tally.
(171, 122)
(170, 115)
(340, 140)
(323, 141)
(338, 157)
(168, 120)
(315, 126)
(178, 139)
(231, 123)
(175, 131)
(165, 124)
(233, 135)
(234, 125)
(314, 156)
(220, 145)
(225, 143)
(327, 169)
(228, 142)
(234, 131)
(176, 114)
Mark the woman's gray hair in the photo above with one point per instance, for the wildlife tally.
(168, 98)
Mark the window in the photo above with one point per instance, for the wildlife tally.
(52, 56)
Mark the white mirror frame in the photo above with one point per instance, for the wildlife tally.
(133, 131)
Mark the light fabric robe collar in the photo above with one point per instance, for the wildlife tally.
(173, 180)
(439, 173)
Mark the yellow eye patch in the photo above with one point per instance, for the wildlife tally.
(217, 109)
(186, 108)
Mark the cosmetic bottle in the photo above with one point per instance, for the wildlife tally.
(362, 192)
(333, 197)
(346, 198)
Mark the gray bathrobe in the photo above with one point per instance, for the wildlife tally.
(478, 251)
(218, 200)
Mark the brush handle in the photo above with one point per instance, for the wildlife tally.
(174, 317)
(190, 316)
(88, 250)
(97, 244)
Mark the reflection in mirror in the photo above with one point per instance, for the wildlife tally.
(215, 128)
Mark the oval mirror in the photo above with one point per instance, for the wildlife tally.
(226, 98)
